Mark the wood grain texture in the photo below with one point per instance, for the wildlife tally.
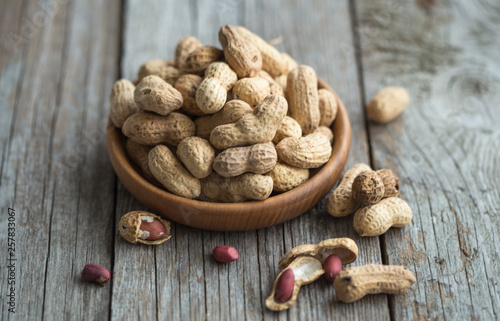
(444, 147)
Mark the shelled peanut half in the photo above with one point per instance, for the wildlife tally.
(225, 124)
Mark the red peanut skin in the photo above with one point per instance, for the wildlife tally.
(156, 229)
(225, 254)
(332, 267)
(284, 286)
(95, 273)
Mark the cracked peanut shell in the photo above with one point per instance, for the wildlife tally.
(129, 224)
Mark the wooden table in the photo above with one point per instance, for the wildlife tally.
(58, 61)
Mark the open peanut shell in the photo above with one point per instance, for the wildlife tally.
(129, 227)
(306, 269)
(345, 248)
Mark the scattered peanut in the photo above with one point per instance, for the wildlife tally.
(225, 254)
(387, 104)
(257, 127)
(391, 182)
(144, 227)
(370, 187)
(155, 95)
(211, 94)
(168, 170)
(185, 46)
(354, 283)
(284, 286)
(197, 155)
(286, 177)
(374, 220)
(341, 203)
(258, 159)
(150, 129)
(202, 57)
(187, 86)
(302, 93)
(310, 151)
(160, 68)
(241, 54)
(251, 90)
(122, 103)
(328, 107)
(95, 273)
(248, 186)
(332, 267)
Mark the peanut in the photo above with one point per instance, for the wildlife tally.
(211, 95)
(168, 170)
(185, 46)
(251, 90)
(225, 254)
(345, 248)
(310, 151)
(122, 103)
(258, 159)
(341, 203)
(289, 62)
(370, 187)
(199, 59)
(241, 54)
(387, 104)
(155, 95)
(139, 155)
(274, 87)
(374, 220)
(328, 107)
(197, 155)
(391, 182)
(144, 227)
(286, 177)
(354, 283)
(231, 112)
(325, 131)
(258, 127)
(95, 273)
(160, 68)
(150, 129)
(282, 81)
(287, 128)
(302, 94)
(248, 186)
(304, 271)
(187, 86)
(332, 267)
(272, 61)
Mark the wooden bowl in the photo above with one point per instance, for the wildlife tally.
(235, 216)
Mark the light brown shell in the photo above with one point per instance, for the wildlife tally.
(223, 72)
(353, 283)
(306, 270)
(328, 107)
(345, 248)
(274, 87)
(168, 170)
(184, 47)
(139, 155)
(251, 90)
(258, 159)
(374, 220)
(231, 112)
(155, 95)
(368, 188)
(272, 61)
(241, 54)
(326, 131)
(286, 177)
(289, 62)
(237, 189)
(310, 151)
(197, 155)
(387, 104)
(129, 224)
(211, 94)
(151, 129)
(187, 86)
(341, 203)
(391, 182)
(121, 101)
(258, 127)
(160, 68)
(199, 59)
(287, 128)
(302, 94)
(281, 80)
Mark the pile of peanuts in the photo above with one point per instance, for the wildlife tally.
(225, 125)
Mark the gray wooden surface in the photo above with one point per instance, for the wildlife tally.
(58, 61)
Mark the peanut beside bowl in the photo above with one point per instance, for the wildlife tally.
(235, 216)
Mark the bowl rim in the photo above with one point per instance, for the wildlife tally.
(340, 151)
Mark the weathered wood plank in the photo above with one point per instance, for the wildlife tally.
(444, 147)
(54, 151)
